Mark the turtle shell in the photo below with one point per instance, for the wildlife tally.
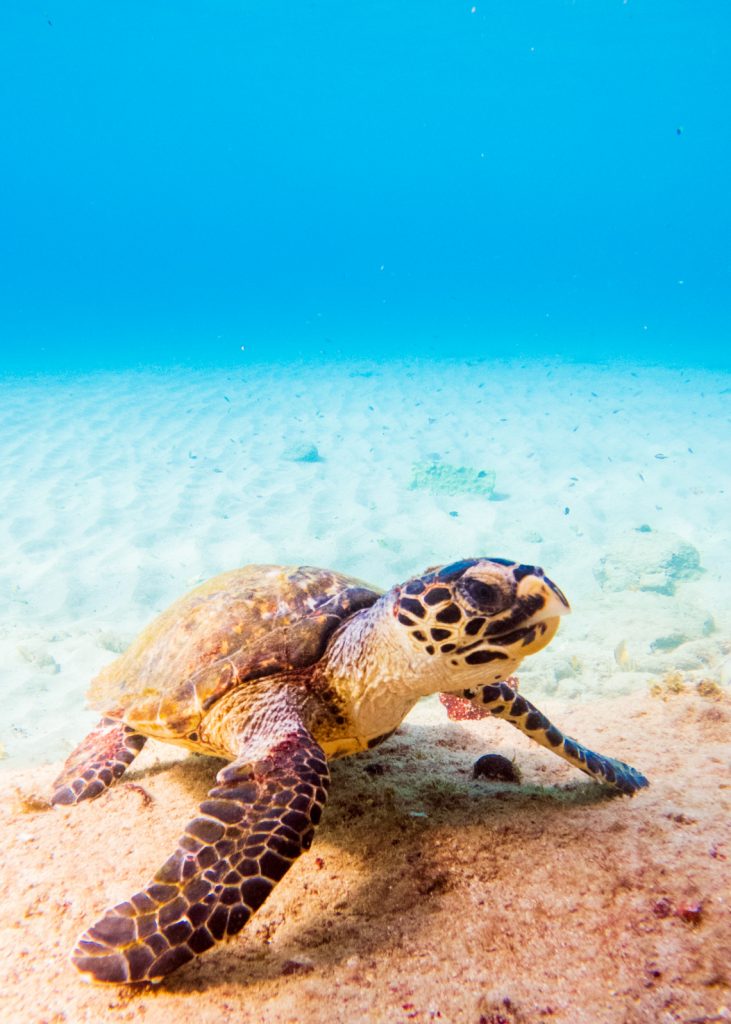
(240, 626)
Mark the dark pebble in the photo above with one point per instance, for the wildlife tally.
(495, 767)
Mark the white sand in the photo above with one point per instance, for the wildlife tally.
(120, 491)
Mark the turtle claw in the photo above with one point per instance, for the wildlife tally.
(628, 780)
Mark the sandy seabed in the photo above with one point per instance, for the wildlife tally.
(427, 895)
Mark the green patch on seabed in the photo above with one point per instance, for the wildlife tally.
(443, 478)
(648, 560)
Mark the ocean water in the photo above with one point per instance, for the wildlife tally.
(426, 238)
(541, 177)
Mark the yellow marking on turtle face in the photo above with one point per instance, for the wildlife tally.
(224, 647)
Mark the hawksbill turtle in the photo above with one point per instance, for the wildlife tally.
(279, 669)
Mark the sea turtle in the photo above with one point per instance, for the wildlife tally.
(279, 669)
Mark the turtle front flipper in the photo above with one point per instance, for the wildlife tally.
(257, 820)
(100, 759)
(502, 701)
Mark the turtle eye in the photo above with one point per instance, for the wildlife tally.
(488, 597)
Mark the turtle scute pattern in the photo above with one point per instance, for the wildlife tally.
(256, 821)
(242, 625)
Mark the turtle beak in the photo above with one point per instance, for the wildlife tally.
(547, 618)
(556, 602)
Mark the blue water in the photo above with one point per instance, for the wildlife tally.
(231, 181)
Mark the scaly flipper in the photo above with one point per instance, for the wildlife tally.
(502, 701)
(97, 762)
(256, 821)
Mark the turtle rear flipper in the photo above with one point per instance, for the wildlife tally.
(98, 761)
(254, 824)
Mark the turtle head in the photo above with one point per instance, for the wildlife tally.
(474, 621)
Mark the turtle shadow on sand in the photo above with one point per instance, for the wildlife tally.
(395, 814)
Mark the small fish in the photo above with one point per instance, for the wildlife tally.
(622, 656)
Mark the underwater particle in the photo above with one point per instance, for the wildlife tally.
(454, 514)
(679, 130)
(496, 768)
(566, 510)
